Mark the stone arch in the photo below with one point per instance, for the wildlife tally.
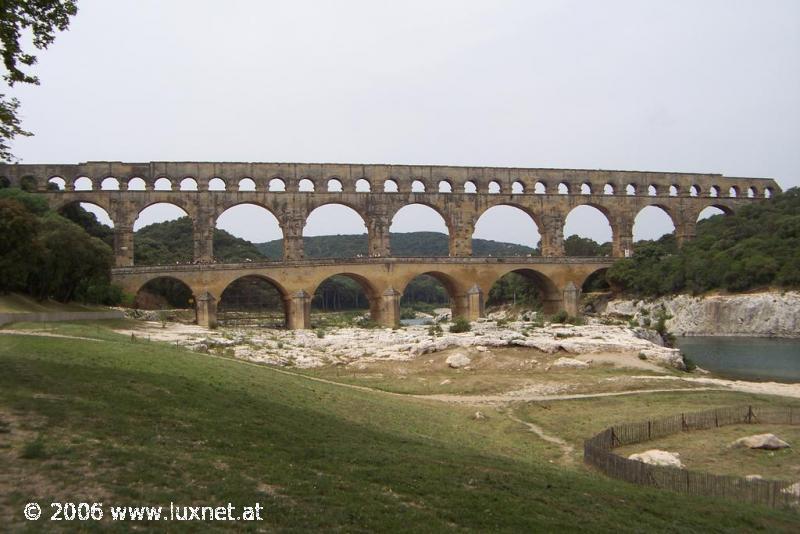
(494, 187)
(713, 191)
(390, 186)
(511, 217)
(540, 188)
(608, 189)
(652, 219)
(733, 191)
(423, 210)
(276, 185)
(752, 192)
(652, 190)
(630, 190)
(470, 187)
(255, 295)
(674, 190)
(317, 224)
(417, 186)
(109, 183)
(83, 183)
(768, 192)
(5, 183)
(306, 185)
(160, 291)
(217, 184)
(28, 183)
(694, 191)
(595, 281)
(247, 184)
(517, 188)
(445, 186)
(160, 212)
(162, 184)
(98, 208)
(455, 290)
(711, 210)
(363, 185)
(563, 188)
(188, 184)
(262, 225)
(334, 185)
(551, 297)
(372, 294)
(586, 188)
(583, 228)
(59, 182)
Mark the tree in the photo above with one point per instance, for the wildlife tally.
(19, 227)
(42, 19)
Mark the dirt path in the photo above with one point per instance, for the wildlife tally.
(34, 333)
(566, 449)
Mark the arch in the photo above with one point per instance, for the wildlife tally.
(470, 187)
(217, 184)
(652, 222)
(419, 217)
(674, 190)
(28, 183)
(713, 191)
(417, 186)
(652, 190)
(247, 184)
(548, 296)
(733, 191)
(188, 184)
(164, 292)
(608, 189)
(752, 192)
(390, 186)
(694, 191)
(83, 183)
(334, 185)
(162, 184)
(251, 222)
(136, 184)
(505, 223)
(5, 183)
(595, 282)
(586, 188)
(99, 213)
(445, 186)
(588, 221)
(158, 212)
(59, 182)
(539, 188)
(712, 211)
(278, 185)
(455, 292)
(563, 188)
(494, 187)
(517, 188)
(768, 192)
(341, 220)
(363, 186)
(253, 299)
(109, 184)
(347, 291)
(630, 190)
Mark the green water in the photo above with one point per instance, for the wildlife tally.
(745, 358)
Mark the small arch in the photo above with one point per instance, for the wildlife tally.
(334, 185)
(59, 182)
(652, 190)
(278, 185)
(586, 188)
(363, 186)
(752, 192)
(608, 189)
(136, 184)
(652, 222)
(188, 184)
(630, 190)
(445, 186)
(494, 187)
(390, 186)
(563, 188)
(83, 184)
(28, 183)
(694, 191)
(713, 191)
(109, 184)
(305, 186)
(470, 187)
(253, 300)
(673, 190)
(733, 191)
(162, 184)
(164, 292)
(539, 188)
(5, 183)
(517, 188)
(247, 184)
(768, 192)
(417, 186)
(217, 184)
(527, 288)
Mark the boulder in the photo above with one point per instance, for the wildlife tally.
(754, 477)
(570, 363)
(793, 490)
(457, 360)
(658, 457)
(769, 442)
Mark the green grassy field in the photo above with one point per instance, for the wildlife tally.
(17, 303)
(147, 423)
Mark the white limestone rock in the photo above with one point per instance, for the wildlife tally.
(658, 457)
(458, 360)
(793, 490)
(569, 363)
(768, 442)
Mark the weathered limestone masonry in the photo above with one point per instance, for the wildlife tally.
(291, 191)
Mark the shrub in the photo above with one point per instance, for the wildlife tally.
(320, 333)
(435, 330)
(460, 325)
(560, 317)
(642, 356)
(33, 450)
(689, 364)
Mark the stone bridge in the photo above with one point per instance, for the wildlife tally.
(291, 191)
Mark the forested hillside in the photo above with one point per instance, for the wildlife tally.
(757, 247)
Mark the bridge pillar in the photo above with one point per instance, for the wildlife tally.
(552, 232)
(379, 246)
(475, 303)
(203, 230)
(461, 243)
(123, 246)
(207, 310)
(293, 238)
(572, 298)
(299, 306)
(390, 309)
(685, 231)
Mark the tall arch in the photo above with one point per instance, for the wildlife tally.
(163, 233)
(347, 291)
(712, 211)
(652, 222)
(345, 226)
(505, 224)
(419, 218)
(253, 223)
(164, 292)
(587, 222)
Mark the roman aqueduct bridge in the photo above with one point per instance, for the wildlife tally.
(291, 191)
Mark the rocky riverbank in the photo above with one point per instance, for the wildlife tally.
(768, 314)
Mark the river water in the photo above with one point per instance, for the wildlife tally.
(745, 358)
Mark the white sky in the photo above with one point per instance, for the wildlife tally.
(673, 85)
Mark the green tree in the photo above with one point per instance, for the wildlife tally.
(40, 19)
(18, 247)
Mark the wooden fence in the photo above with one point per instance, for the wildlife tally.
(598, 452)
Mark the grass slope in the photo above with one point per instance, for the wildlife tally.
(18, 303)
(127, 423)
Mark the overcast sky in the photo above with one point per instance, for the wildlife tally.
(690, 86)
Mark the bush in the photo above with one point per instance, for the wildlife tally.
(689, 364)
(560, 317)
(435, 330)
(460, 325)
(33, 450)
